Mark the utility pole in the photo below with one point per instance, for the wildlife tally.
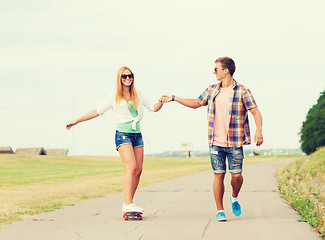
(72, 99)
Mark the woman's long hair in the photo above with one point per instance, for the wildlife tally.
(133, 93)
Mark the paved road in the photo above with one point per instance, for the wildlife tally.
(182, 208)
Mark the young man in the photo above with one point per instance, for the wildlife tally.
(228, 104)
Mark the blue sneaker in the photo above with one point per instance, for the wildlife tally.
(221, 217)
(235, 208)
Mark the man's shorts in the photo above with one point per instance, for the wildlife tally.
(122, 138)
(235, 158)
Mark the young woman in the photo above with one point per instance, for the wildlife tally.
(127, 105)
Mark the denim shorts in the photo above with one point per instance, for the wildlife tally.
(135, 139)
(234, 155)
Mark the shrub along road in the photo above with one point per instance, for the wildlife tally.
(181, 208)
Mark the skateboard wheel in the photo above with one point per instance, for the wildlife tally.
(132, 216)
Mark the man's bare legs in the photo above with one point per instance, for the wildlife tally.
(219, 187)
(236, 183)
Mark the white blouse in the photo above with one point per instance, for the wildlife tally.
(121, 112)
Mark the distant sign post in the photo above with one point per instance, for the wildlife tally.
(187, 147)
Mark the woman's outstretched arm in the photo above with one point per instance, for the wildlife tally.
(92, 114)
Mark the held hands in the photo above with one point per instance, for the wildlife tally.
(163, 99)
(166, 98)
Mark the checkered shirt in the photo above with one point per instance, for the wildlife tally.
(240, 101)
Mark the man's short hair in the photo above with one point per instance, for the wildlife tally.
(227, 62)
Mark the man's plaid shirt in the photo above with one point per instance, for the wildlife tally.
(240, 101)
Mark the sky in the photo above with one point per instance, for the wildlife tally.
(59, 60)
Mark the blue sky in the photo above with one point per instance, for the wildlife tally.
(59, 60)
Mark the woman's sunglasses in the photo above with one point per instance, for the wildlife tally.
(124, 76)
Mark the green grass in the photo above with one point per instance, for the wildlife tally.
(30, 185)
(20, 170)
(302, 183)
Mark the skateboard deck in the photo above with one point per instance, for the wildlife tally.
(132, 216)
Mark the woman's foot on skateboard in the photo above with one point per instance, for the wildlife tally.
(132, 208)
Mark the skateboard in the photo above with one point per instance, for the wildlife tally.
(132, 216)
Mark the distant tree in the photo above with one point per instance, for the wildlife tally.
(312, 133)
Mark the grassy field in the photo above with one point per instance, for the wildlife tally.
(30, 185)
(302, 184)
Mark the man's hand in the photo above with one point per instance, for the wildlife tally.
(258, 138)
(188, 102)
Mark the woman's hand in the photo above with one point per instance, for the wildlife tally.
(70, 124)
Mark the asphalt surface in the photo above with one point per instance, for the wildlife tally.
(181, 208)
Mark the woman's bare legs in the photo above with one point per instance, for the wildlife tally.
(133, 161)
